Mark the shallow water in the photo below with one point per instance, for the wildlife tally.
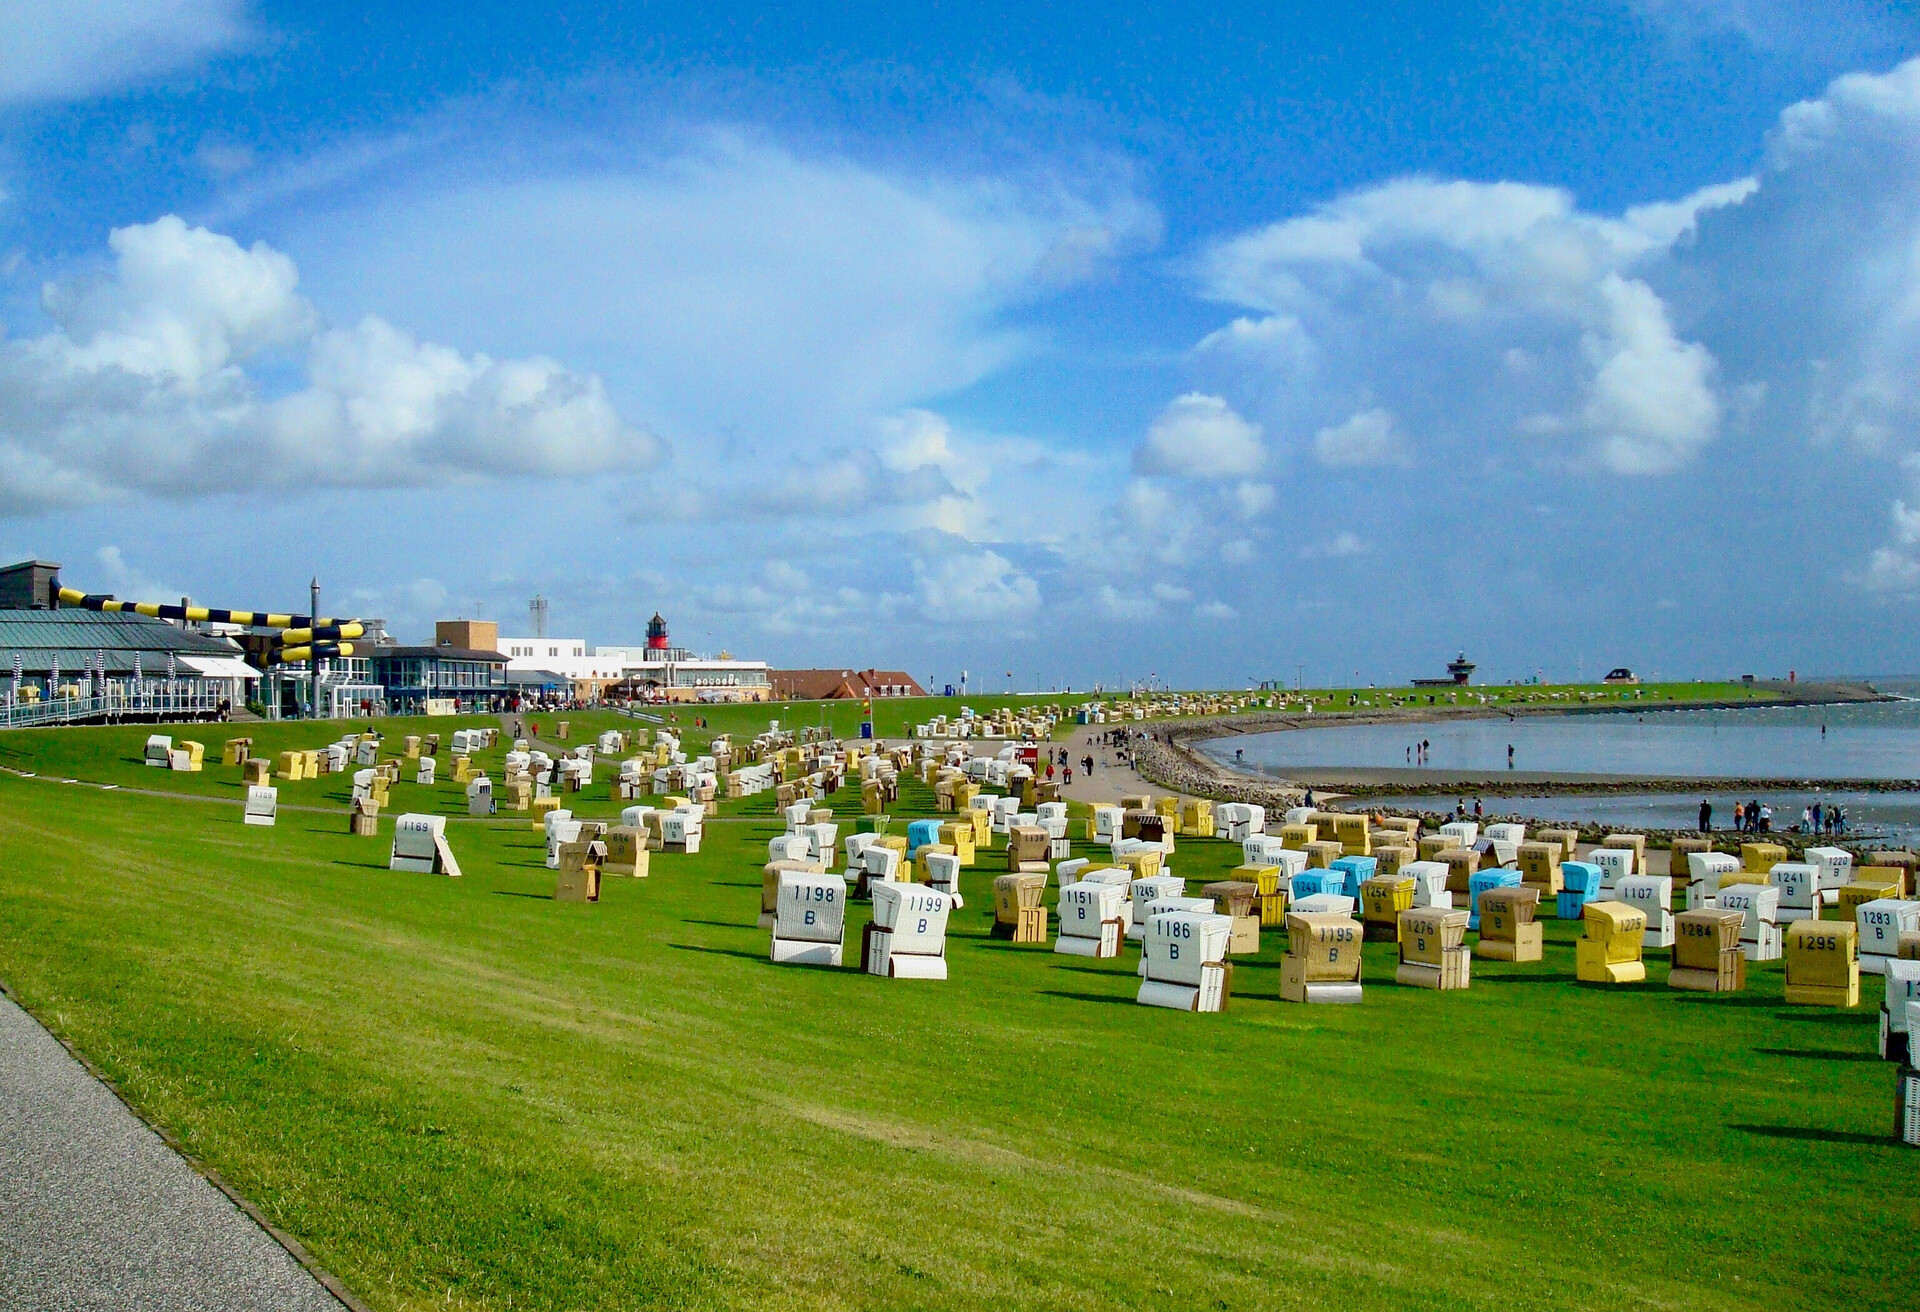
(1875, 740)
(1894, 817)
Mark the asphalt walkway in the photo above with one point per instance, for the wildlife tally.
(97, 1212)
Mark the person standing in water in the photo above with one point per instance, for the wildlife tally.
(1706, 816)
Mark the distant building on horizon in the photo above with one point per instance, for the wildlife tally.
(658, 671)
(1459, 673)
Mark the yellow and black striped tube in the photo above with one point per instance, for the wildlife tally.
(329, 633)
(253, 619)
(317, 651)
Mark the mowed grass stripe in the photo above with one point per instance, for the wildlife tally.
(461, 1090)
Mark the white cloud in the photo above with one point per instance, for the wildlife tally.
(1200, 436)
(180, 306)
(785, 577)
(1215, 610)
(767, 301)
(1423, 293)
(1253, 499)
(1369, 438)
(1652, 407)
(1126, 604)
(979, 587)
(129, 583)
(1342, 545)
(155, 380)
(80, 47)
(1810, 299)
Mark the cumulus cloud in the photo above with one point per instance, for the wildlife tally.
(1503, 299)
(80, 47)
(1125, 603)
(1652, 405)
(1253, 499)
(1340, 546)
(1366, 439)
(775, 299)
(1200, 436)
(1811, 301)
(156, 379)
(128, 582)
(1765, 330)
(974, 587)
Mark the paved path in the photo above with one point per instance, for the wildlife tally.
(97, 1212)
(1109, 782)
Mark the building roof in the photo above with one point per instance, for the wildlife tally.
(444, 653)
(219, 667)
(73, 637)
(824, 685)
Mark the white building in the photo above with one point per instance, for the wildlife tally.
(574, 658)
(674, 673)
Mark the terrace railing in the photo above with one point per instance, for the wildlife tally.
(156, 700)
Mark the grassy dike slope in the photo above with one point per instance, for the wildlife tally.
(458, 1093)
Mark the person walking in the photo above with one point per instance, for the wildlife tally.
(1509, 756)
(1706, 816)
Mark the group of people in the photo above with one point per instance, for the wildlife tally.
(1756, 817)
(1822, 818)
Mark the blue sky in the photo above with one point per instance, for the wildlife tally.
(1082, 343)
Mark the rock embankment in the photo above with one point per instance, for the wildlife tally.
(1179, 770)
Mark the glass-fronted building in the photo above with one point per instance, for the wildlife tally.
(414, 676)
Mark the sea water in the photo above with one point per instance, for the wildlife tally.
(1870, 740)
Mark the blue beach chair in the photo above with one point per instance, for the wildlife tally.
(1309, 882)
(1579, 885)
(1354, 871)
(921, 833)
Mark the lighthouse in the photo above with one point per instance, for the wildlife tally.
(656, 633)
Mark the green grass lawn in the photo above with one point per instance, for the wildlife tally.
(460, 1093)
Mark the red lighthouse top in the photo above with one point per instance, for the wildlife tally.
(656, 633)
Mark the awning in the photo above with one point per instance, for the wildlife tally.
(218, 667)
